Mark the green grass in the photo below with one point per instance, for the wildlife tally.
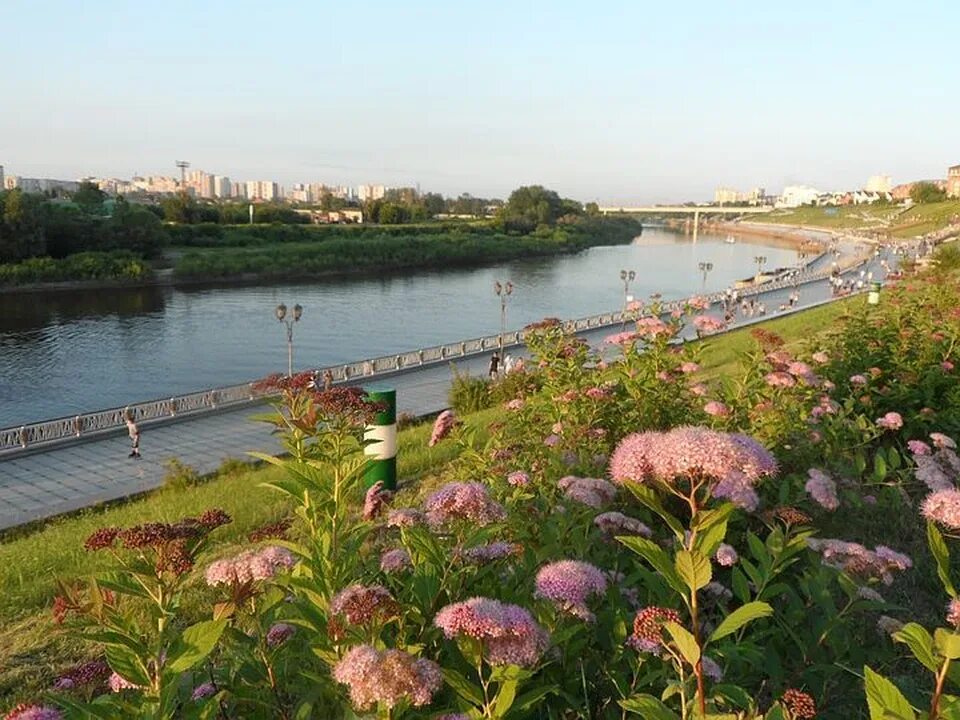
(899, 223)
(921, 219)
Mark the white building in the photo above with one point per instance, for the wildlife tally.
(265, 190)
(40, 185)
(797, 195)
(371, 192)
(221, 186)
(300, 192)
(879, 184)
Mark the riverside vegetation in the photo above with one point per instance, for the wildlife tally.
(626, 538)
(95, 239)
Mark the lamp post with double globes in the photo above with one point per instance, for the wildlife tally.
(705, 267)
(760, 260)
(288, 321)
(503, 292)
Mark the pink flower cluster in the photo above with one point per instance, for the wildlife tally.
(469, 501)
(597, 393)
(568, 584)
(404, 517)
(592, 492)
(856, 560)
(615, 523)
(249, 566)
(735, 463)
(943, 508)
(363, 604)
(859, 380)
(279, 633)
(706, 324)
(821, 358)
(942, 442)
(387, 677)
(651, 327)
(33, 712)
(689, 367)
(781, 379)
(117, 683)
(726, 555)
(515, 404)
(395, 560)
(480, 554)
(375, 500)
(825, 406)
(953, 613)
(509, 633)
(442, 426)
(518, 478)
(698, 302)
(716, 409)
(890, 421)
(621, 338)
(936, 469)
(822, 489)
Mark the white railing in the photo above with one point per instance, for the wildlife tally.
(15, 440)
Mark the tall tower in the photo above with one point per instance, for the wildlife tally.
(183, 165)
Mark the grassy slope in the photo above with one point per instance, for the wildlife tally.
(31, 651)
(918, 220)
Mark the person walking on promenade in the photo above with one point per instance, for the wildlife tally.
(327, 379)
(134, 432)
(494, 365)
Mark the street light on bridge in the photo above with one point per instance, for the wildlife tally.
(288, 321)
(503, 292)
(705, 267)
(760, 260)
(627, 276)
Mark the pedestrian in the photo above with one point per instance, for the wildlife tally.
(134, 432)
(507, 363)
(327, 379)
(494, 365)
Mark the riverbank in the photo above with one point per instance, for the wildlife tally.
(261, 256)
(775, 235)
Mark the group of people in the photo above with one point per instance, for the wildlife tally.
(507, 366)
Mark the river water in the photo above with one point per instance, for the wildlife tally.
(63, 353)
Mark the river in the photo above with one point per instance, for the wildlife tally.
(63, 353)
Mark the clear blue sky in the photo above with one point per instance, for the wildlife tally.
(616, 101)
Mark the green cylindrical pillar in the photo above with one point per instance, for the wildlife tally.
(873, 298)
(383, 452)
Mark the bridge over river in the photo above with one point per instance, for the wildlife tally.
(694, 210)
(62, 465)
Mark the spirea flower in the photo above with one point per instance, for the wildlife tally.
(621, 338)
(932, 473)
(918, 447)
(941, 441)
(101, 538)
(491, 551)
(711, 669)
(363, 604)
(699, 389)
(943, 507)
(453, 716)
(648, 627)
(515, 404)
(717, 590)
(859, 380)
(404, 517)
(689, 367)
(800, 704)
(856, 560)
(90, 673)
(518, 478)
(734, 462)
(509, 633)
(463, 501)
(651, 327)
(706, 324)
(716, 409)
(616, 523)
(726, 555)
(387, 677)
(33, 712)
(780, 379)
(953, 612)
(395, 560)
(279, 633)
(890, 421)
(888, 625)
(375, 500)
(568, 584)
(822, 489)
(868, 593)
(442, 426)
(592, 492)
(799, 369)
(117, 683)
(821, 358)
(202, 691)
(249, 566)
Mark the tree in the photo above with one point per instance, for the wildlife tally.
(592, 209)
(21, 227)
(179, 208)
(434, 204)
(530, 206)
(90, 198)
(329, 203)
(134, 228)
(927, 192)
(392, 213)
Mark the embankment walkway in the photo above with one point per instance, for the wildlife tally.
(58, 477)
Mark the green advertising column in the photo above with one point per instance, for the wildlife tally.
(383, 452)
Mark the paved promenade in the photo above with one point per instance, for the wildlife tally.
(75, 475)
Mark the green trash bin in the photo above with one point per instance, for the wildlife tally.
(383, 430)
(874, 297)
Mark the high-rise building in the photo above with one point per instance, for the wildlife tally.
(953, 181)
(221, 186)
(371, 192)
(239, 190)
(879, 183)
(300, 192)
(265, 190)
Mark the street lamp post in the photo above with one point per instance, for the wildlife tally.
(503, 292)
(281, 313)
(760, 260)
(705, 267)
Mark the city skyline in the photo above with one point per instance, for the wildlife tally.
(628, 104)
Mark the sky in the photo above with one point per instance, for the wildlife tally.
(618, 102)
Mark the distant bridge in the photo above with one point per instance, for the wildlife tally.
(695, 210)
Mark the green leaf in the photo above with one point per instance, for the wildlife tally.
(879, 467)
(885, 701)
(947, 643)
(938, 547)
(658, 558)
(649, 707)
(685, 642)
(531, 698)
(920, 643)
(193, 646)
(127, 664)
(709, 540)
(740, 617)
(694, 568)
(740, 587)
(651, 499)
(463, 687)
(775, 713)
(505, 697)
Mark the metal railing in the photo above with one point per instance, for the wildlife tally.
(14, 440)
